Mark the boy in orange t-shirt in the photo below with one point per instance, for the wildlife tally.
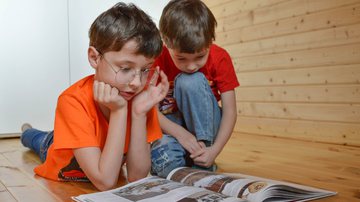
(110, 115)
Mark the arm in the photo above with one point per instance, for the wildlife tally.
(185, 138)
(138, 157)
(207, 157)
(103, 167)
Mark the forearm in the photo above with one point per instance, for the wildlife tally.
(171, 128)
(138, 157)
(111, 157)
(228, 121)
(103, 167)
(226, 128)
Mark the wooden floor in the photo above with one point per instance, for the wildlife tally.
(326, 166)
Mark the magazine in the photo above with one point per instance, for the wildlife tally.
(188, 185)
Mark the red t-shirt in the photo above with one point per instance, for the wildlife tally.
(80, 123)
(218, 70)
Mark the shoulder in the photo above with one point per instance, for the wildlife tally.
(79, 93)
(215, 49)
(217, 53)
(82, 86)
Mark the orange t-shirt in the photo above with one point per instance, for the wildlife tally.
(80, 123)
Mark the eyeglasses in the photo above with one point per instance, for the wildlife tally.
(124, 75)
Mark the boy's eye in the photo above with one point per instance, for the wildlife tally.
(124, 69)
(199, 57)
(146, 70)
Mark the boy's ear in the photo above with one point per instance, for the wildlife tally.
(93, 57)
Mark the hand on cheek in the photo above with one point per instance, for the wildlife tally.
(149, 97)
(108, 96)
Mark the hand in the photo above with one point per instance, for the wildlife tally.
(190, 143)
(151, 95)
(108, 96)
(204, 158)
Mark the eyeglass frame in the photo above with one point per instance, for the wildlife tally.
(137, 72)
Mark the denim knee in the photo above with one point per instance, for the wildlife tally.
(190, 83)
(166, 155)
(198, 105)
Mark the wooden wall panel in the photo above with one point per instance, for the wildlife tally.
(230, 8)
(341, 74)
(307, 94)
(335, 55)
(298, 64)
(305, 40)
(314, 21)
(319, 131)
(343, 113)
(292, 8)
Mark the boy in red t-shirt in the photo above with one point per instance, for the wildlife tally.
(200, 74)
(110, 114)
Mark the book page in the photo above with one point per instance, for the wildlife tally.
(156, 189)
(246, 187)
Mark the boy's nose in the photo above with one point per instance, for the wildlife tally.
(192, 68)
(136, 82)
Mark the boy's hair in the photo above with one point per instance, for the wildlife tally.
(187, 25)
(122, 23)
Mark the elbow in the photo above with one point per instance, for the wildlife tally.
(133, 178)
(104, 185)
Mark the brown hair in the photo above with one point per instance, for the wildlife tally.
(121, 23)
(187, 25)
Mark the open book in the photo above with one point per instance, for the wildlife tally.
(188, 184)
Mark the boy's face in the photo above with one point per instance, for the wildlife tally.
(189, 62)
(124, 69)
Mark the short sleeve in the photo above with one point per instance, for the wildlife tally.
(225, 73)
(74, 126)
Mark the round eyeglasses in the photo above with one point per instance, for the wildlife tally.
(124, 75)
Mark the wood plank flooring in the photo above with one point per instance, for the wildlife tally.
(327, 166)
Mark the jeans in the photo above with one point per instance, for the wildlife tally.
(199, 113)
(38, 141)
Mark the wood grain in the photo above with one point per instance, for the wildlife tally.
(327, 166)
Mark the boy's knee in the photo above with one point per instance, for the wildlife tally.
(190, 82)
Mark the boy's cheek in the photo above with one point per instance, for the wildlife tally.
(141, 89)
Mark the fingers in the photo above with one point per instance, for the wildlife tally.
(104, 92)
(202, 144)
(114, 92)
(199, 161)
(164, 79)
(164, 84)
(154, 77)
(196, 149)
(203, 161)
(196, 155)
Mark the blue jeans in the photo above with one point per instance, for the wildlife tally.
(38, 141)
(199, 113)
